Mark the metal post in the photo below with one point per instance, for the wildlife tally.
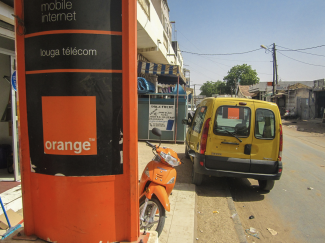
(176, 120)
(194, 98)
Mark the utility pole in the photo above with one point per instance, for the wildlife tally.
(275, 66)
(275, 69)
(194, 96)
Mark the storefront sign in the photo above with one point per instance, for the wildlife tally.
(162, 117)
(85, 51)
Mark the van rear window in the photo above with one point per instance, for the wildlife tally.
(232, 119)
(264, 124)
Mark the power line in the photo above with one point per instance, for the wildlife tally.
(203, 67)
(202, 73)
(301, 51)
(224, 54)
(239, 60)
(301, 61)
(189, 41)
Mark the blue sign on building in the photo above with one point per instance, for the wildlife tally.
(14, 81)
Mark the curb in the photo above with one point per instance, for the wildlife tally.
(195, 216)
(237, 223)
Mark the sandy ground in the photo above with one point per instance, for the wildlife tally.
(214, 222)
(311, 131)
(249, 201)
(313, 127)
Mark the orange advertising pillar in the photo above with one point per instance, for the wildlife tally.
(76, 68)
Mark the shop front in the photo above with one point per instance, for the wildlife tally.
(164, 105)
(9, 165)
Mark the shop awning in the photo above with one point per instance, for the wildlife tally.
(165, 70)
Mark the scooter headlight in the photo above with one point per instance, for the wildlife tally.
(147, 172)
(169, 159)
(171, 181)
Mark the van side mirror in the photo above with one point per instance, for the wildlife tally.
(187, 122)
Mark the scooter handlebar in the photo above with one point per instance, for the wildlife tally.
(150, 145)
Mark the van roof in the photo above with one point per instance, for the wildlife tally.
(243, 100)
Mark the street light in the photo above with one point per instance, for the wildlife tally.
(275, 66)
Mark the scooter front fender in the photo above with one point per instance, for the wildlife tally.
(160, 193)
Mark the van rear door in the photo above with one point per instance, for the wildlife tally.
(230, 137)
(265, 145)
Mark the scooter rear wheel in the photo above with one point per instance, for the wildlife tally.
(158, 219)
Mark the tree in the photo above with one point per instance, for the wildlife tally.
(209, 88)
(222, 88)
(244, 73)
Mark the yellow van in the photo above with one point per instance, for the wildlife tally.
(232, 137)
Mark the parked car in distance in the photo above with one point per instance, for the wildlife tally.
(232, 137)
(191, 109)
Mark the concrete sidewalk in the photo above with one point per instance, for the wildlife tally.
(179, 224)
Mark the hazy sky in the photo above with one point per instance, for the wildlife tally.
(221, 27)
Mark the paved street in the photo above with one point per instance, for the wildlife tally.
(294, 208)
(304, 157)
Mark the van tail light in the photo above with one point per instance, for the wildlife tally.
(204, 137)
(281, 143)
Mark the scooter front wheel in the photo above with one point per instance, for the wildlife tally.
(154, 216)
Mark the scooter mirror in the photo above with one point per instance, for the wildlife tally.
(156, 132)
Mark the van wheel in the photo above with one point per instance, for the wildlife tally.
(196, 177)
(266, 185)
(186, 152)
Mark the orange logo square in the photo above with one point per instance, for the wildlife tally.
(69, 125)
(233, 113)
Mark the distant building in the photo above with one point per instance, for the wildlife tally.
(243, 92)
(305, 99)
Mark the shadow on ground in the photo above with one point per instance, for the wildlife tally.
(306, 126)
(245, 190)
(212, 187)
(241, 189)
(184, 171)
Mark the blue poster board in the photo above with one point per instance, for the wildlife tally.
(14, 81)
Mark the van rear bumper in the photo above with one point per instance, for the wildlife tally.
(225, 173)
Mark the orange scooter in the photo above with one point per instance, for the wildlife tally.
(157, 182)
